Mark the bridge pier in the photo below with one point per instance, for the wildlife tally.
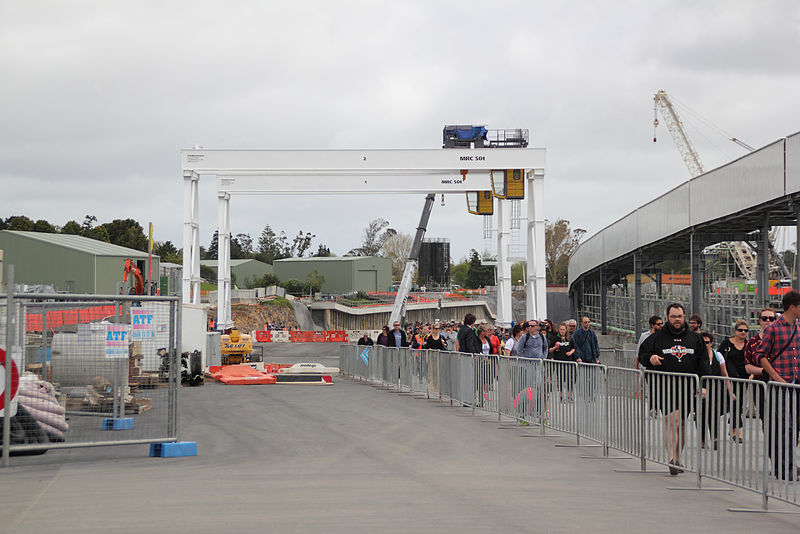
(698, 268)
(762, 271)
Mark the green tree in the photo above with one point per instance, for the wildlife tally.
(458, 273)
(72, 228)
(270, 246)
(266, 280)
(375, 235)
(294, 287)
(245, 243)
(397, 248)
(43, 226)
(560, 243)
(167, 252)
(518, 273)
(322, 252)
(99, 233)
(126, 233)
(20, 223)
(478, 275)
(314, 281)
(213, 247)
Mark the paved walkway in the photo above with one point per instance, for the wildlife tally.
(355, 458)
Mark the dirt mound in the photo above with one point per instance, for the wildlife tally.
(251, 317)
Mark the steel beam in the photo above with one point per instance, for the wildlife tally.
(696, 249)
(603, 302)
(762, 271)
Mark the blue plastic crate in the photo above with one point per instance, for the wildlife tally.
(124, 423)
(173, 450)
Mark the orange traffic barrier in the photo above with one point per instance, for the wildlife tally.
(263, 336)
(338, 336)
(239, 375)
(319, 336)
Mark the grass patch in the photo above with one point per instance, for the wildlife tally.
(278, 301)
(206, 286)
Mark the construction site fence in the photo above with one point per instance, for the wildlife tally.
(740, 432)
(88, 370)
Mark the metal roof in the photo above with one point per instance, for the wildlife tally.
(234, 263)
(724, 204)
(81, 244)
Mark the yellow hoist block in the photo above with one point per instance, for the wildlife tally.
(480, 202)
(508, 183)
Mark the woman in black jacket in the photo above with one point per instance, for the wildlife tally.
(732, 350)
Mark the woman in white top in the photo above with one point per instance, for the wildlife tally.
(511, 343)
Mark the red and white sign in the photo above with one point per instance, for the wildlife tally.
(4, 368)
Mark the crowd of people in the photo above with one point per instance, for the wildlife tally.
(674, 345)
(772, 354)
(539, 339)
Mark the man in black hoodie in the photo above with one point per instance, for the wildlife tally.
(674, 349)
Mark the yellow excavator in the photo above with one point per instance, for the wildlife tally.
(235, 347)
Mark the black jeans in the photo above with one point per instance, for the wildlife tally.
(782, 433)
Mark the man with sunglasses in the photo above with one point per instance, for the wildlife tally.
(655, 323)
(766, 317)
(779, 355)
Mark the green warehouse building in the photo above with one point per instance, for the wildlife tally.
(243, 270)
(70, 263)
(342, 275)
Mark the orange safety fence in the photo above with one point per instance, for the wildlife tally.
(35, 322)
(303, 336)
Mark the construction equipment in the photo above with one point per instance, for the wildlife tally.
(410, 269)
(235, 348)
(132, 269)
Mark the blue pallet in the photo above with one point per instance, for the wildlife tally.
(124, 423)
(173, 450)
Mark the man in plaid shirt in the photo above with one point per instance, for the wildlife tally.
(779, 355)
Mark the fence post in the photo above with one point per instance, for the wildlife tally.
(606, 408)
(643, 423)
(9, 358)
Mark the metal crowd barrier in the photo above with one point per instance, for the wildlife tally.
(741, 432)
(91, 371)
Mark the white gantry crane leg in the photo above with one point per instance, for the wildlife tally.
(224, 318)
(190, 289)
(504, 314)
(536, 302)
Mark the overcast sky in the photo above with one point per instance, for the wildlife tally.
(98, 98)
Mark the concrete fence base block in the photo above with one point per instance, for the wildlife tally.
(124, 423)
(173, 450)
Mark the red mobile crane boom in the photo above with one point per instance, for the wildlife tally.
(130, 268)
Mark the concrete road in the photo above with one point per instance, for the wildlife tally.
(355, 458)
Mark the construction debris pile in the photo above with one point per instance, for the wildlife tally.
(248, 318)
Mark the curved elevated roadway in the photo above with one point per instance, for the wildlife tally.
(736, 202)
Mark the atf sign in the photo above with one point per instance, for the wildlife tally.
(9, 365)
